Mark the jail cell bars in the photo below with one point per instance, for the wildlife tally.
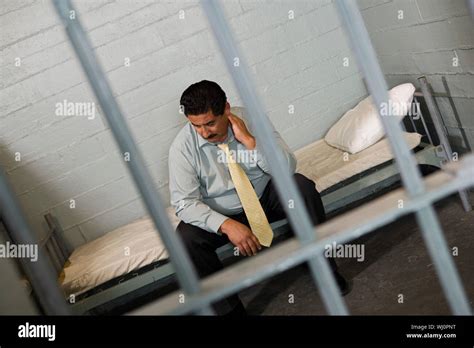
(307, 246)
(411, 177)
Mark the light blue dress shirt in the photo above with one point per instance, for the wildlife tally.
(201, 189)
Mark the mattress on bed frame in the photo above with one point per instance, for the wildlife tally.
(118, 252)
(328, 166)
(131, 247)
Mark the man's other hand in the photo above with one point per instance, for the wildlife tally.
(241, 236)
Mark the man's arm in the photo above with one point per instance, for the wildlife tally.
(186, 197)
(283, 148)
(244, 135)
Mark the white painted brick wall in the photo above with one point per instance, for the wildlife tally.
(431, 34)
(296, 62)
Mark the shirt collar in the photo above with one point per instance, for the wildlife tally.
(230, 138)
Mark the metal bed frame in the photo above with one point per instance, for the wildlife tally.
(308, 244)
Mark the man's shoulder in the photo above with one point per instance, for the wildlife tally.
(183, 139)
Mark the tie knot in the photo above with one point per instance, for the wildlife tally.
(224, 146)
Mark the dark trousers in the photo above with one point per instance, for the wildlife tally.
(201, 244)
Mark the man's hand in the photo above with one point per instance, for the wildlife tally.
(241, 132)
(241, 236)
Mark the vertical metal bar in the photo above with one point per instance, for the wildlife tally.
(54, 230)
(435, 116)
(470, 3)
(425, 127)
(40, 273)
(418, 112)
(53, 256)
(441, 131)
(61, 252)
(378, 89)
(411, 178)
(285, 184)
(413, 124)
(403, 126)
(185, 271)
(58, 251)
(444, 264)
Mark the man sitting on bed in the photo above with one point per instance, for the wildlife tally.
(202, 189)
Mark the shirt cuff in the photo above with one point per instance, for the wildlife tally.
(215, 220)
(260, 159)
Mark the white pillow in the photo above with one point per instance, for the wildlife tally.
(361, 127)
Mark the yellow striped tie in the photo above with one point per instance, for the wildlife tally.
(249, 199)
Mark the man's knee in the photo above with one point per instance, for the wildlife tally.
(312, 197)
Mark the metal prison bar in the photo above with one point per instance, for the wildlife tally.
(441, 133)
(307, 248)
(410, 175)
(40, 273)
(287, 190)
(185, 271)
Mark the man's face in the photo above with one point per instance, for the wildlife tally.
(210, 127)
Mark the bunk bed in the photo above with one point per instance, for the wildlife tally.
(101, 275)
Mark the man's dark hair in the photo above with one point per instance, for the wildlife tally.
(203, 96)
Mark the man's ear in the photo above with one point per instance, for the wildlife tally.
(227, 109)
(226, 117)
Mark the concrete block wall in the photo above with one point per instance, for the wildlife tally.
(434, 38)
(70, 165)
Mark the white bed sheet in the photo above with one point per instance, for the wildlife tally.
(116, 253)
(327, 165)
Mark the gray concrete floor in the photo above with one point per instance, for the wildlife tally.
(396, 262)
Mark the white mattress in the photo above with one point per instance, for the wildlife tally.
(137, 244)
(116, 253)
(327, 165)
